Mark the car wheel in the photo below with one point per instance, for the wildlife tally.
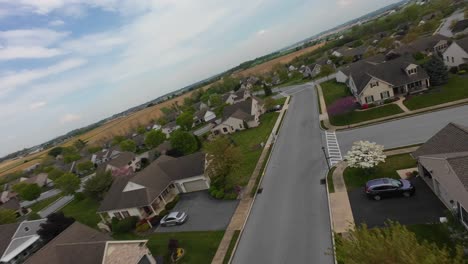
(377, 197)
(406, 194)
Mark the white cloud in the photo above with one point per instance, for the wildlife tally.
(69, 118)
(261, 32)
(10, 53)
(37, 105)
(13, 81)
(31, 37)
(56, 23)
(344, 3)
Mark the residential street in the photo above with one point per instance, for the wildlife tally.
(445, 28)
(402, 132)
(289, 222)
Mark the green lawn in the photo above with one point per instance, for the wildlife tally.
(280, 101)
(249, 142)
(455, 89)
(44, 203)
(433, 233)
(83, 211)
(361, 116)
(200, 247)
(333, 91)
(356, 178)
(331, 187)
(231, 246)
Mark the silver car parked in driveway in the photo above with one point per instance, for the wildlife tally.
(174, 218)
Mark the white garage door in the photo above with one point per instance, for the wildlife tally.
(193, 186)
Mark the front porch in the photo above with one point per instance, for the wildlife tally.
(411, 88)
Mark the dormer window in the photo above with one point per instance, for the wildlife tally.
(374, 84)
(412, 71)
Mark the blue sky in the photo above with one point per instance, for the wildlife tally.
(68, 63)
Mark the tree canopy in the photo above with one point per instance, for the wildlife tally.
(98, 185)
(391, 244)
(55, 151)
(117, 139)
(437, 71)
(128, 145)
(154, 138)
(185, 120)
(85, 166)
(55, 173)
(68, 183)
(27, 191)
(223, 158)
(183, 142)
(55, 224)
(7, 216)
(365, 155)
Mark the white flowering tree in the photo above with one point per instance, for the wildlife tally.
(365, 155)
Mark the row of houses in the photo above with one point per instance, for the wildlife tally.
(77, 244)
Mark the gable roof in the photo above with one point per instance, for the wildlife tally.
(6, 233)
(421, 44)
(154, 179)
(460, 26)
(123, 159)
(72, 241)
(244, 106)
(453, 138)
(12, 204)
(459, 164)
(463, 43)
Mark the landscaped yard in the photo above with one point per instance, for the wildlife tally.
(433, 233)
(83, 211)
(455, 89)
(342, 113)
(234, 238)
(249, 142)
(361, 116)
(44, 203)
(356, 178)
(200, 247)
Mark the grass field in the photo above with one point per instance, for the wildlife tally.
(249, 142)
(200, 247)
(44, 203)
(455, 89)
(267, 66)
(433, 233)
(231, 246)
(83, 211)
(333, 91)
(331, 187)
(356, 178)
(361, 116)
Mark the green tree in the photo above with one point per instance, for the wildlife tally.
(98, 185)
(215, 100)
(185, 120)
(154, 138)
(162, 121)
(392, 244)
(326, 70)
(68, 183)
(437, 71)
(141, 130)
(269, 103)
(7, 216)
(79, 144)
(117, 139)
(85, 166)
(27, 192)
(267, 90)
(55, 151)
(166, 110)
(128, 145)
(55, 174)
(223, 158)
(183, 142)
(94, 149)
(281, 71)
(69, 158)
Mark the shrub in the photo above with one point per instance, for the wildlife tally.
(418, 56)
(170, 205)
(463, 67)
(230, 196)
(125, 225)
(79, 196)
(461, 72)
(163, 213)
(33, 216)
(364, 106)
(219, 194)
(372, 105)
(142, 227)
(155, 220)
(453, 70)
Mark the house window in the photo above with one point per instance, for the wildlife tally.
(463, 215)
(118, 215)
(171, 186)
(412, 71)
(373, 84)
(453, 60)
(448, 58)
(369, 99)
(385, 95)
(125, 214)
(225, 130)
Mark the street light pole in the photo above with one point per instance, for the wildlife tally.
(326, 158)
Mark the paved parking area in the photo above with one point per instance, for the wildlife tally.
(422, 207)
(205, 213)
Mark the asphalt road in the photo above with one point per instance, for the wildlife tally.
(403, 132)
(445, 28)
(289, 221)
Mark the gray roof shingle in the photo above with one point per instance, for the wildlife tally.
(452, 138)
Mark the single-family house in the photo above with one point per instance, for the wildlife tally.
(13, 203)
(146, 193)
(81, 244)
(355, 53)
(41, 179)
(200, 106)
(375, 82)
(125, 163)
(32, 167)
(249, 82)
(139, 140)
(19, 240)
(232, 97)
(427, 45)
(240, 116)
(461, 27)
(6, 195)
(456, 53)
(203, 116)
(163, 148)
(105, 155)
(443, 164)
(170, 127)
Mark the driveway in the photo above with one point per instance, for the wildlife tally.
(422, 207)
(445, 27)
(205, 213)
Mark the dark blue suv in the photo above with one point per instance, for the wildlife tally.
(386, 187)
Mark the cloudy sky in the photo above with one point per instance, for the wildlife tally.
(68, 63)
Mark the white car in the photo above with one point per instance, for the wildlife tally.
(174, 218)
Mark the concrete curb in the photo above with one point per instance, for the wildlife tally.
(330, 216)
(285, 108)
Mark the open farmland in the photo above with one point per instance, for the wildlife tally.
(267, 66)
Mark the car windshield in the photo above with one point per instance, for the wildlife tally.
(396, 183)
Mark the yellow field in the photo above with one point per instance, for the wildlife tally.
(127, 125)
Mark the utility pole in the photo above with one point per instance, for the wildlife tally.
(326, 158)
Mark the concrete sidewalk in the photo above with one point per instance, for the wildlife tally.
(242, 212)
(407, 112)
